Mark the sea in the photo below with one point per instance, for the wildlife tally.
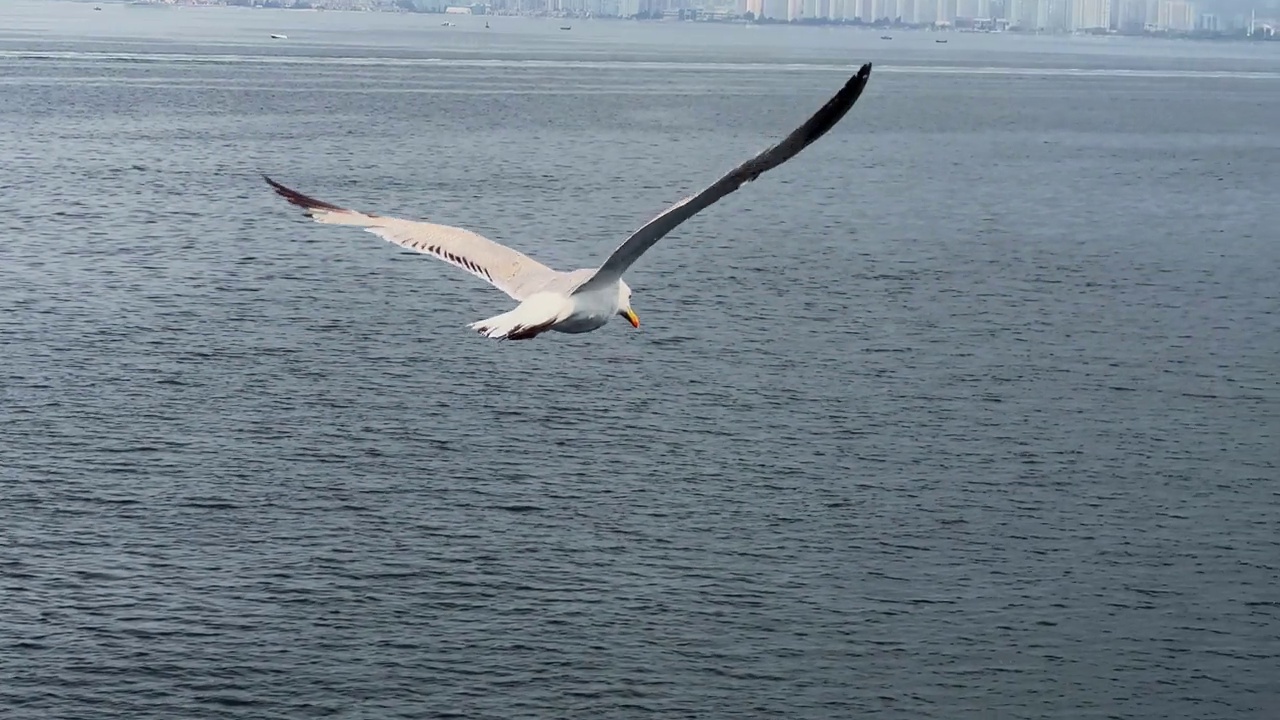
(971, 410)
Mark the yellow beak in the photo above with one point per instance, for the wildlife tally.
(631, 317)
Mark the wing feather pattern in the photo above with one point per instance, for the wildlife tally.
(815, 127)
(506, 269)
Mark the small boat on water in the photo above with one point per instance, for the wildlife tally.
(566, 27)
(939, 41)
(446, 23)
(278, 36)
(886, 37)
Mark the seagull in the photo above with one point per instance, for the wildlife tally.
(582, 300)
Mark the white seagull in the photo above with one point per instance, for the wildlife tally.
(586, 299)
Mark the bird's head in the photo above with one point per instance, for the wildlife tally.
(624, 304)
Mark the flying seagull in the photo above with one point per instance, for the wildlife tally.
(581, 300)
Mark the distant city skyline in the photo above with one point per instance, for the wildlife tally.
(1056, 16)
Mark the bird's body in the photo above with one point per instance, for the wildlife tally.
(558, 310)
(581, 300)
(578, 313)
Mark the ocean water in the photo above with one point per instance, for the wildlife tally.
(969, 411)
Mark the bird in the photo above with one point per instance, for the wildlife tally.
(581, 300)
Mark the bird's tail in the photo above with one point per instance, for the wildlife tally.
(530, 318)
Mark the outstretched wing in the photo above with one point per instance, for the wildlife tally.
(510, 271)
(814, 128)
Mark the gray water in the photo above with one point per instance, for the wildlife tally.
(968, 412)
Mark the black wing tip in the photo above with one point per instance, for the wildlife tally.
(297, 198)
(862, 76)
(281, 189)
(853, 88)
(837, 107)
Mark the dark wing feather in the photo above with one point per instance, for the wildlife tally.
(508, 270)
(303, 201)
(803, 136)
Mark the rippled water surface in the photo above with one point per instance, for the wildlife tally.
(970, 411)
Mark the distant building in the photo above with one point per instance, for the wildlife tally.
(1029, 15)
(1090, 15)
(1175, 16)
(1133, 15)
(970, 9)
(774, 9)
